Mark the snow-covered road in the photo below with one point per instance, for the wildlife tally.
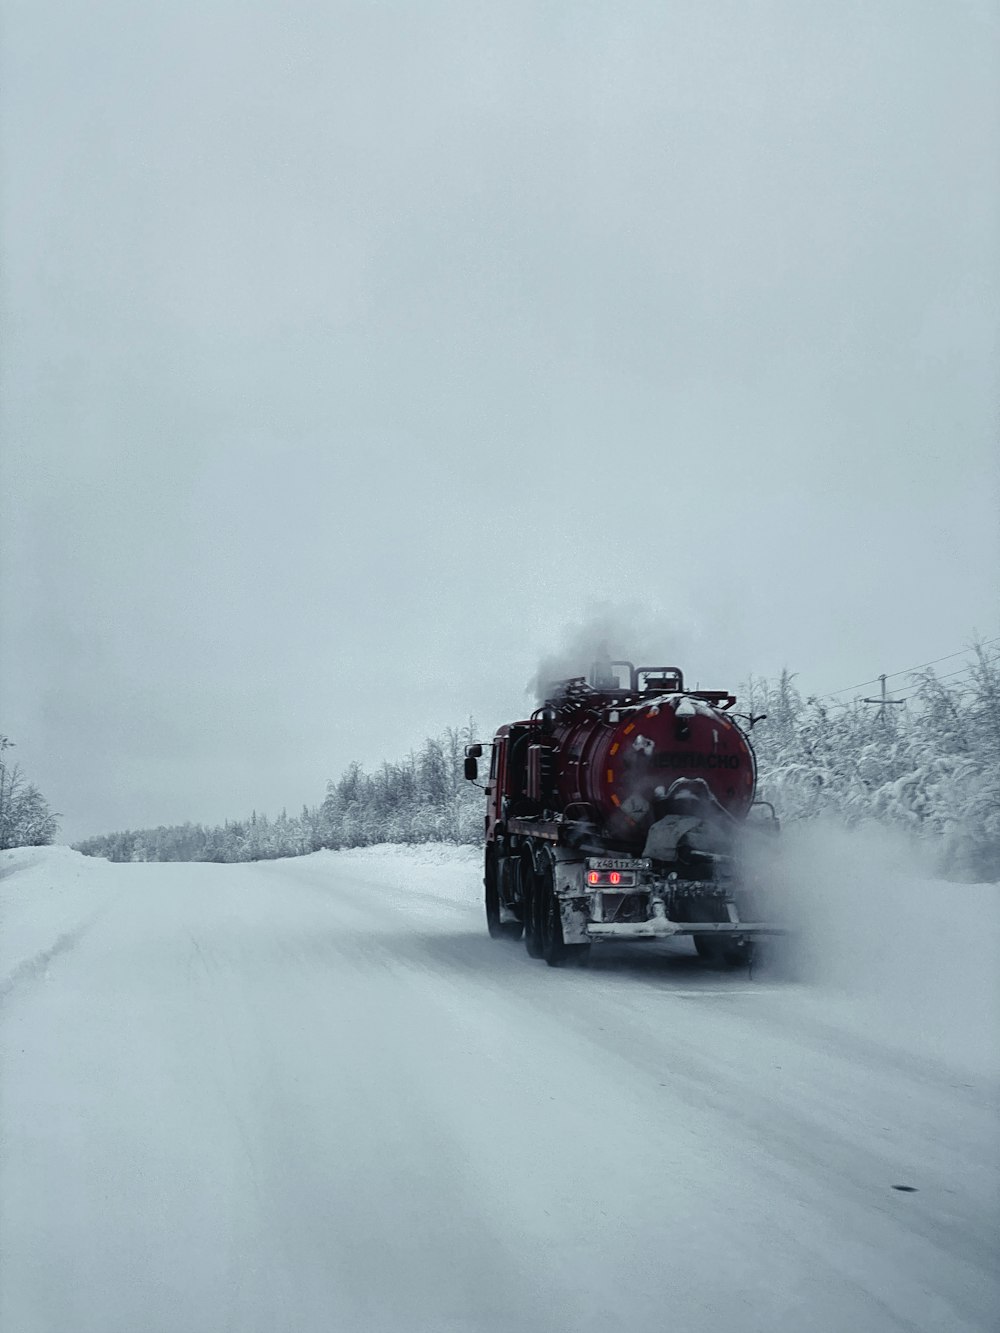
(312, 1095)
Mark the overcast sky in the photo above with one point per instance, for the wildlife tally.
(353, 354)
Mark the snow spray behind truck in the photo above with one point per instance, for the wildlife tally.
(615, 812)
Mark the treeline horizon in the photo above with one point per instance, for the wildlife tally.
(422, 798)
(928, 767)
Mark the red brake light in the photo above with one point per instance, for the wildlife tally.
(617, 879)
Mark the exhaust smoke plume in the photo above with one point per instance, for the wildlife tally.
(628, 631)
(893, 950)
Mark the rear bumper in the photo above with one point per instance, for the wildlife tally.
(659, 928)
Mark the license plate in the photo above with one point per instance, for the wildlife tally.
(610, 863)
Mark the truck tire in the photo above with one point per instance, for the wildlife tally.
(532, 902)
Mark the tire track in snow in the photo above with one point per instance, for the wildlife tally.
(30, 969)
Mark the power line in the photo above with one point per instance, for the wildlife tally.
(947, 657)
(891, 675)
(948, 675)
(860, 686)
(962, 671)
(911, 690)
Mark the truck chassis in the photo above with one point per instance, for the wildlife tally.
(562, 898)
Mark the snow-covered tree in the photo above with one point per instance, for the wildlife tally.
(929, 767)
(25, 817)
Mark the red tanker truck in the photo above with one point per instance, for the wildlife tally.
(614, 813)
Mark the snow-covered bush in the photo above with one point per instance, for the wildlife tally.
(929, 766)
(25, 817)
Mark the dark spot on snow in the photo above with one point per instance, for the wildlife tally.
(906, 1189)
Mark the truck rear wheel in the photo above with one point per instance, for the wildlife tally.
(531, 897)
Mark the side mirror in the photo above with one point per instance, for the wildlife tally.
(471, 767)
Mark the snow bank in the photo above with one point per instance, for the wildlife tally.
(446, 877)
(419, 853)
(442, 868)
(48, 897)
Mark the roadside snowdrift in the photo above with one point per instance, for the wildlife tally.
(48, 897)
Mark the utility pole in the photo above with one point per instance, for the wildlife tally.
(882, 701)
